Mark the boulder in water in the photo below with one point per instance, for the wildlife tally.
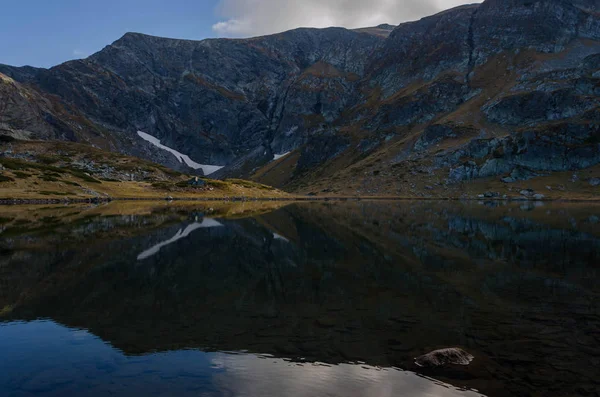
(443, 357)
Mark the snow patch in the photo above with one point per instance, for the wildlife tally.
(206, 223)
(278, 156)
(207, 169)
(280, 237)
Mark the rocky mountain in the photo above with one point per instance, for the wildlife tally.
(506, 90)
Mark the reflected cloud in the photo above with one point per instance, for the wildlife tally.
(182, 233)
(251, 375)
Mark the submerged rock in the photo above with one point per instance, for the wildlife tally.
(438, 358)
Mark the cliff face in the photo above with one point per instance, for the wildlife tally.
(420, 94)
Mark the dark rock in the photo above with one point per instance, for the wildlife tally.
(464, 172)
(444, 357)
(526, 192)
(522, 174)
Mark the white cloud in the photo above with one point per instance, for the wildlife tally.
(257, 17)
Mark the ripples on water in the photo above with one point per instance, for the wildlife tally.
(308, 300)
(65, 361)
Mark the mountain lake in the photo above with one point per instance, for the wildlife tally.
(299, 299)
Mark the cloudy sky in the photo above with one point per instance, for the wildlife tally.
(257, 17)
(45, 33)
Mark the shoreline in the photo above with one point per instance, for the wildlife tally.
(97, 200)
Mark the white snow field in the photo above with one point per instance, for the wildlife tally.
(207, 169)
(278, 156)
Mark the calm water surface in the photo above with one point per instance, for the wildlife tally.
(315, 299)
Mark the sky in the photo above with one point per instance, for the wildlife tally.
(44, 33)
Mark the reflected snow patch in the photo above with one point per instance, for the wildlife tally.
(280, 237)
(206, 223)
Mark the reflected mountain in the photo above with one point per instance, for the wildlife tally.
(182, 233)
(372, 282)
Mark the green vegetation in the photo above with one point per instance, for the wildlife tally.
(51, 193)
(169, 171)
(5, 220)
(21, 175)
(162, 185)
(249, 184)
(83, 176)
(12, 164)
(50, 173)
(4, 178)
(17, 164)
(216, 183)
(48, 178)
(44, 159)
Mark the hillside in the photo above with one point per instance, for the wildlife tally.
(500, 96)
(37, 170)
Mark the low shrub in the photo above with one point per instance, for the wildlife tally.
(4, 178)
(21, 175)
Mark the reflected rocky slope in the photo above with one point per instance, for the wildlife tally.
(373, 282)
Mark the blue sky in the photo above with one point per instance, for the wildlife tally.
(45, 33)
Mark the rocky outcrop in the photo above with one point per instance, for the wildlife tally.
(560, 147)
(438, 358)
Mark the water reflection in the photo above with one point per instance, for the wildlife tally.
(182, 233)
(336, 283)
(65, 361)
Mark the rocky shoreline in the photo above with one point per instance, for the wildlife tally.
(97, 200)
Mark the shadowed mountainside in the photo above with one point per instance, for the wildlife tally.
(502, 92)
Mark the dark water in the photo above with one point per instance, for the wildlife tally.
(320, 299)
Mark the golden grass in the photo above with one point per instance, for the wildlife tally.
(31, 215)
(54, 175)
(278, 172)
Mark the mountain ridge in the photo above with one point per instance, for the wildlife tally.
(341, 98)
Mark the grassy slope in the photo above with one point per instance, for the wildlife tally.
(49, 170)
